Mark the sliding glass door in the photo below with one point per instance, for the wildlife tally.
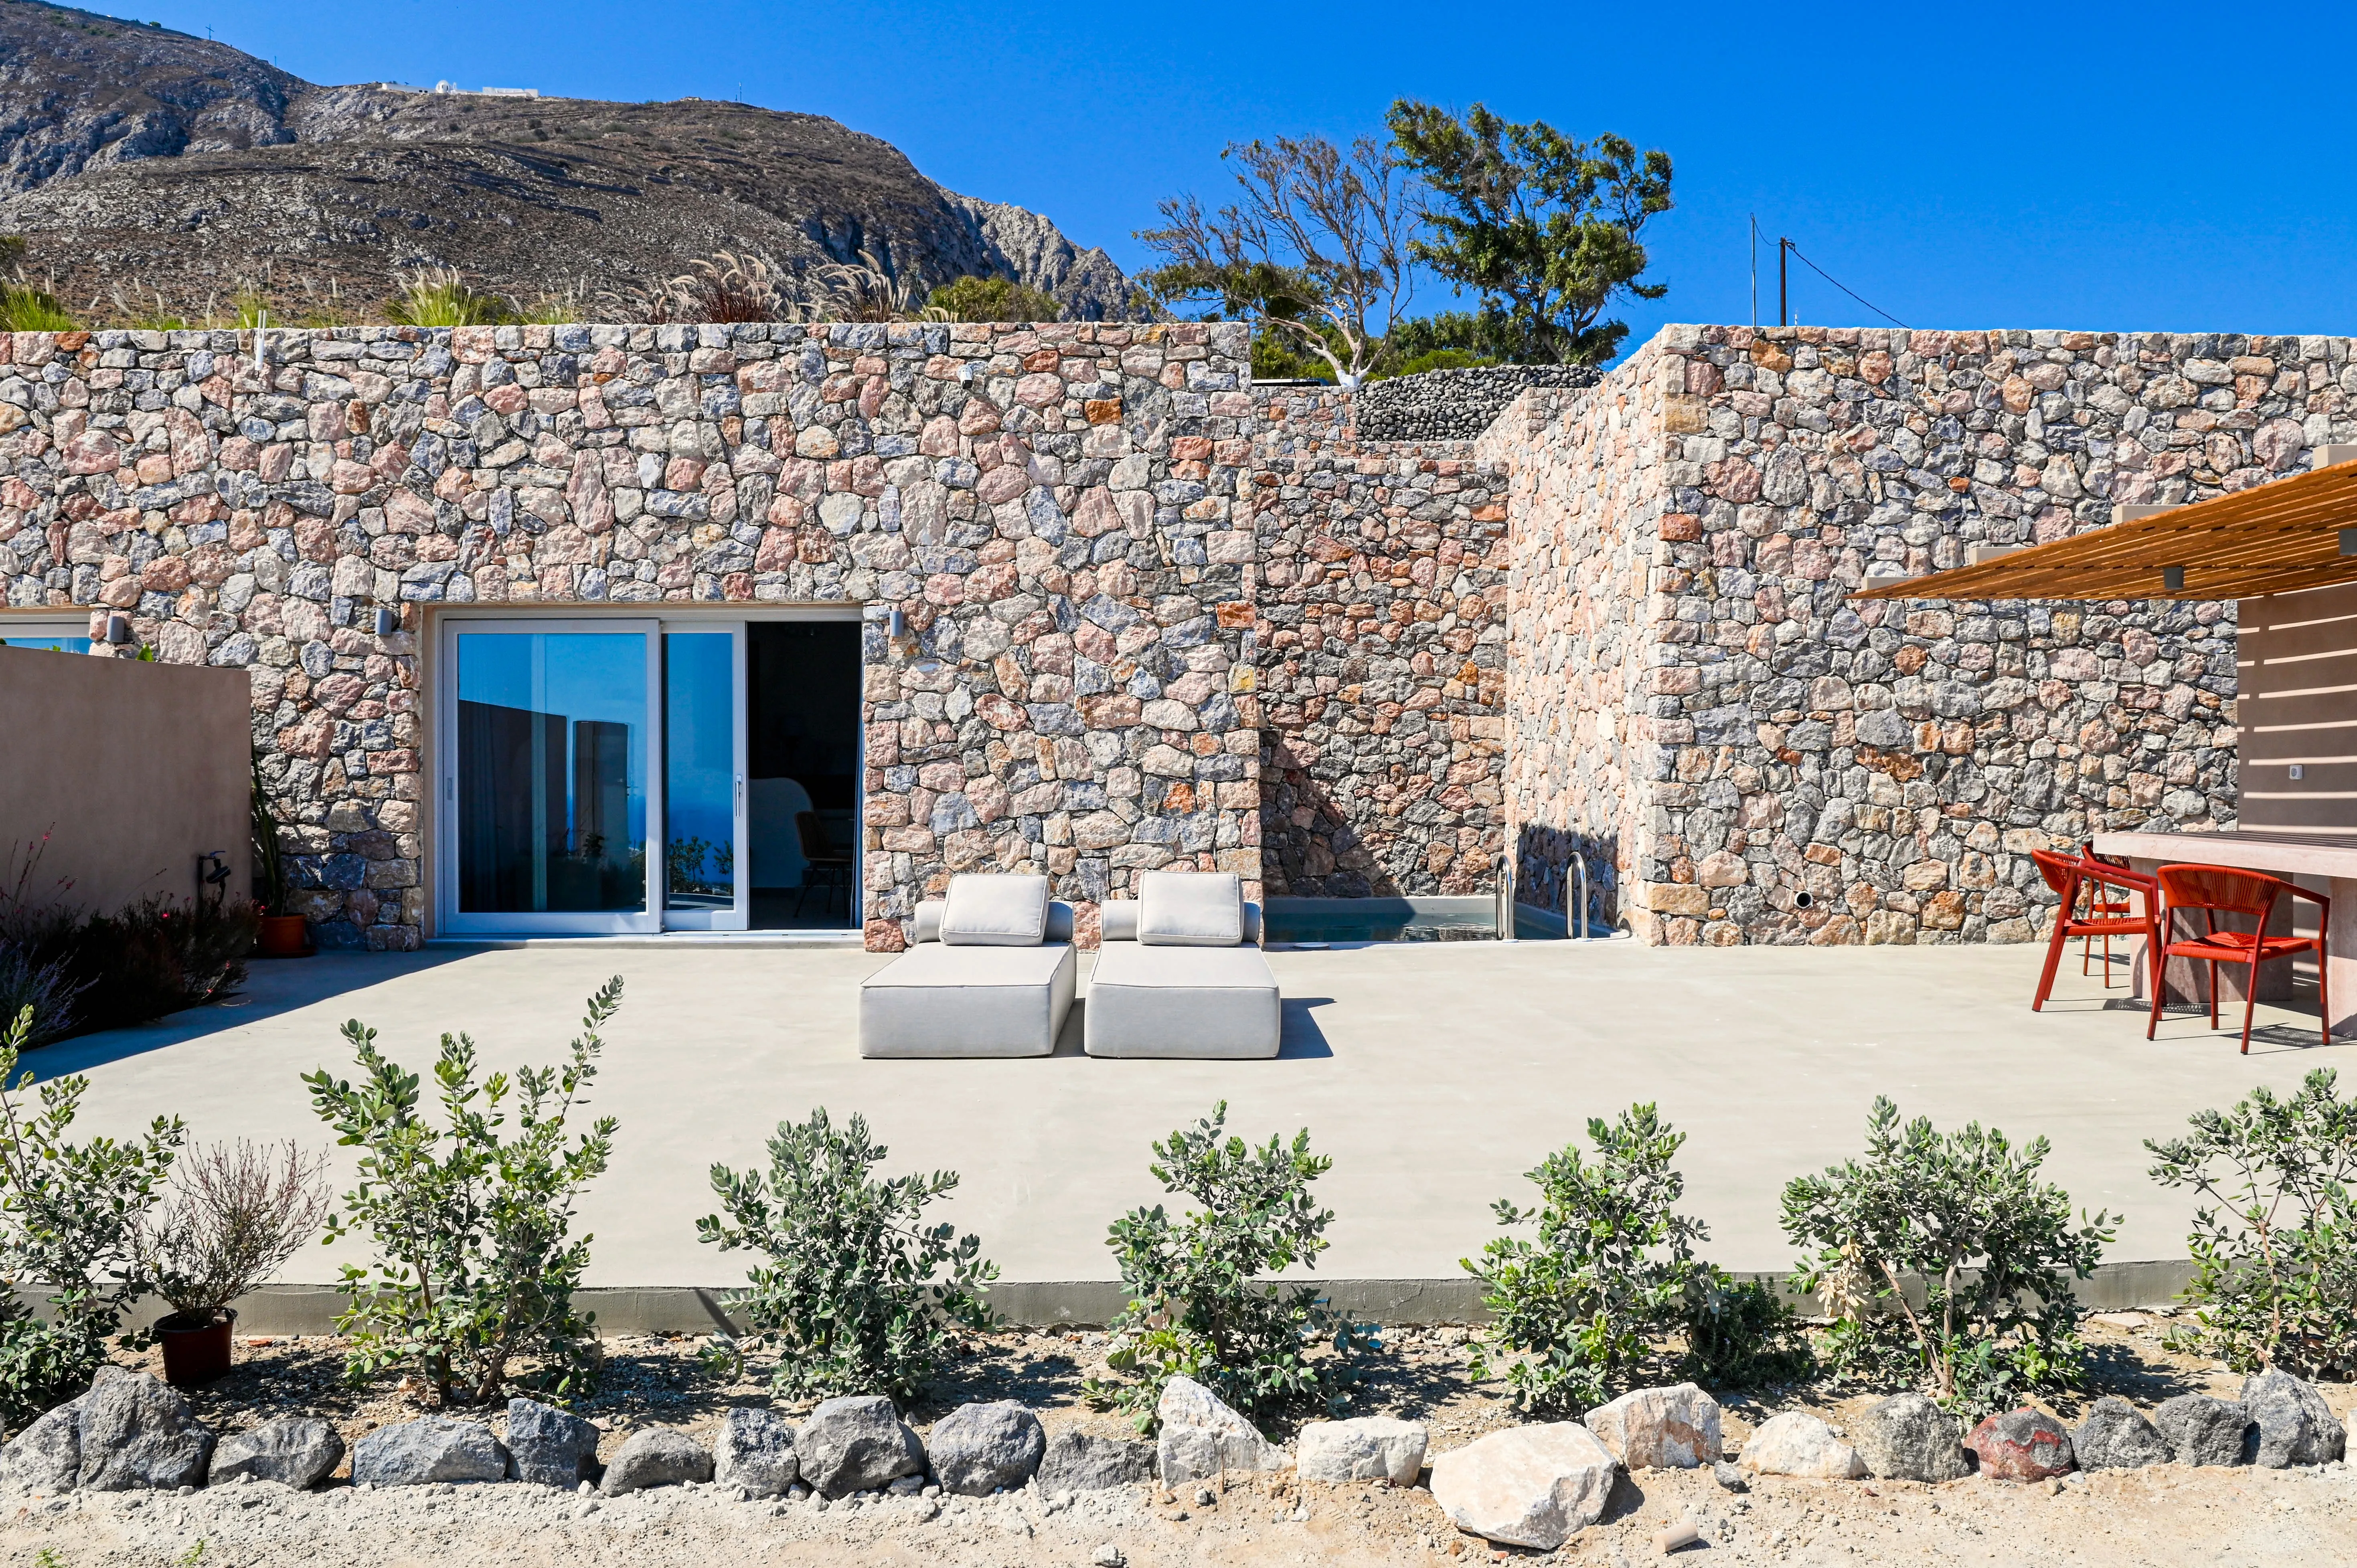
(549, 787)
(706, 884)
(624, 776)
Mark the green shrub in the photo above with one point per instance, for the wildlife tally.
(1436, 360)
(1740, 1334)
(1992, 1244)
(69, 1216)
(159, 956)
(475, 1265)
(2274, 1243)
(1200, 1301)
(859, 1295)
(994, 299)
(1587, 1307)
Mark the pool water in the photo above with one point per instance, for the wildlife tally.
(1321, 926)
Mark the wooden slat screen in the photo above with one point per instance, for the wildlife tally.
(2299, 704)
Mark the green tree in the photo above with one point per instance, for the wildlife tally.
(1314, 253)
(994, 299)
(1542, 227)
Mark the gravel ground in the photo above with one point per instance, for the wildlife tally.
(2163, 1515)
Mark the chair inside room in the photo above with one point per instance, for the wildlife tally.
(2216, 892)
(2096, 899)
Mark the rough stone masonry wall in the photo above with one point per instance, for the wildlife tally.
(1053, 507)
(1380, 656)
(1587, 500)
(1895, 762)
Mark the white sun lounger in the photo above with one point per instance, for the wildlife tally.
(990, 974)
(1181, 974)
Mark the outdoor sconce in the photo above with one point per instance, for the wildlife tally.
(388, 621)
(903, 641)
(2172, 579)
(118, 630)
(2349, 541)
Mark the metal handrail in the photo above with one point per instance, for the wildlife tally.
(1506, 904)
(1580, 860)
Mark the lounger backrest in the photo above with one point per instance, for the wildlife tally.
(929, 920)
(1117, 921)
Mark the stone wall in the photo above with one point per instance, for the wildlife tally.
(1380, 656)
(1832, 772)
(1587, 501)
(1054, 507)
(1453, 405)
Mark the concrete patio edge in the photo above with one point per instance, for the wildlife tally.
(298, 1309)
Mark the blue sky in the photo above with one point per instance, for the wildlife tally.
(2106, 166)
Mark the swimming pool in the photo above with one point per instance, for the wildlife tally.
(1317, 923)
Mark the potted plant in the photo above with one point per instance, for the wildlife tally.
(236, 1212)
(283, 935)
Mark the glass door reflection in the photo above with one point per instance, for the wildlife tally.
(705, 882)
(550, 791)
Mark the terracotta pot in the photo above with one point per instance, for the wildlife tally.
(196, 1345)
(285, 935)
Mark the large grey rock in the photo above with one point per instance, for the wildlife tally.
(431, 1448)
(2205, 1431)
(1528, 1486)
(2116, 1436)
(755, 1450)
(549, 1447)
(1798, 1444)
(856, 1444)
(1202, 1438)
(658, 1456)
(1673, 1428)
(1082, 1462)
(139, 1432)
(1368, 1448)
(978, 1449)
(297, 1451)
(45, 1457)
(2296, 1426)
(1909, 1438)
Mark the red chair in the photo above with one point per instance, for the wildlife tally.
(2068, 878)
(2098, 907)
(2216, 890)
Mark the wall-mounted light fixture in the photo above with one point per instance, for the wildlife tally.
(2349, 541)
(901, 636)
(2172, 579)
(388, 621)
(118, 630)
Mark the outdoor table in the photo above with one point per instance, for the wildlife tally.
(2321, 862)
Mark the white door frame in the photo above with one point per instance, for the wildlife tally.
(738, 916)
(450, 918)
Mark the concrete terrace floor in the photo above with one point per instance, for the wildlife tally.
(1435, 1075)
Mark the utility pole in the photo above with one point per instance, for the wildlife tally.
(1783, 287)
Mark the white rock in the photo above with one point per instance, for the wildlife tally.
(1369, 1448)
(1660, 1429)
(1530, 1485)
(1202, 1438)
(1798, 1444)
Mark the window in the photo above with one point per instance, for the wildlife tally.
(59, 633)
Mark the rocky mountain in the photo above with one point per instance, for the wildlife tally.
(139, 163)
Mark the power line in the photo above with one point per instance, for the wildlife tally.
(1846, 289)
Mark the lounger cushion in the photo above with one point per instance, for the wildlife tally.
(942, 1001)
(996, 912)
(1190, 910)
(928, 921)
(1188, 1001)
(1117, 921)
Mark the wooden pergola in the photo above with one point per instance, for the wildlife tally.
(2296, 532)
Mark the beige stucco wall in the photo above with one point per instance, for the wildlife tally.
(130, 769)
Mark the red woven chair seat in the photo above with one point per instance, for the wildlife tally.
(2251, 896)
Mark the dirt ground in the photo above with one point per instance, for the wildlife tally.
(2163, 1515)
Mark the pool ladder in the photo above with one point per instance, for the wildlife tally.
(1506, 901)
